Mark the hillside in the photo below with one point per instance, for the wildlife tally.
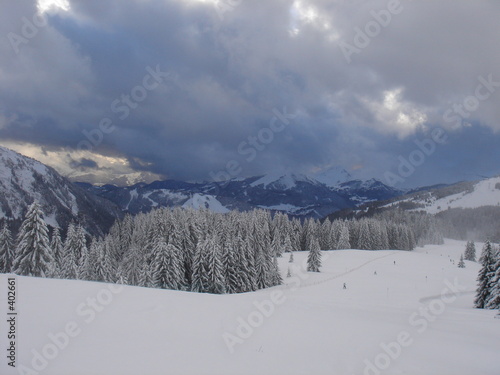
(24, 180)
(462, 195)
(314, 326)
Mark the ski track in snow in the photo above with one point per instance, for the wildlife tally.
(304, 285)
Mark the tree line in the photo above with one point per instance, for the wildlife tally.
(193, 250)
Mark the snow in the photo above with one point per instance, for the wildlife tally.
(484, 194)
(133, 195)
(283, 207)
(285, 180)
(332, 176)
(313, 326)
(200, 201)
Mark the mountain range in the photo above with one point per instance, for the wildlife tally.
(294, 194)
(24, 180)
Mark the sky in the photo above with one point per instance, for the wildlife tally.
(125, 90)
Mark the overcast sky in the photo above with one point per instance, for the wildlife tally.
(175, 88)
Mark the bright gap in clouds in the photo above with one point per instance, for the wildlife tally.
(46, 5)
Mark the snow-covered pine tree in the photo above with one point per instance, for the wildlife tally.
(461, 263)
(131, 265)
(216, 281)
(343, 242)
(261, 269)
(57, 248)
(493, 301)
(230, 267)
(166, 266)
(485, 276)
(102, 269)
(365, 241)
(470, 251)
(287, 244)
(208, 276)
(70, 263)
(33, 255)
(6, 250)
(276, 278)
(314, 257)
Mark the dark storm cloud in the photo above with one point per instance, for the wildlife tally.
(233, 69)
(84, 164)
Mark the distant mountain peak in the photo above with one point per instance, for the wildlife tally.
(332, 176)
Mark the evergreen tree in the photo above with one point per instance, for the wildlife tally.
(314, 257)
(230, 268)
(57, 248)
(343, 242)
(103, 269)
(33, 255)
(470, 251)
(6, 250)
(208, 274)
(276, 278)
(485, 276)
(494, 286)
(165, 266)
(71, 259)
(461, 264)
(131, 265)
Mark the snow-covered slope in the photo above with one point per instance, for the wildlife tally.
(333, 176)
(463, 195)
(24, 180)
(309, 326)
(209, 202)
(281, 180)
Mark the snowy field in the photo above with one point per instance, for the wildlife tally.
(414, 316)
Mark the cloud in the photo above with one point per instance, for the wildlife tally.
(233, 68)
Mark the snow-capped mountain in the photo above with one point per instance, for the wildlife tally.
(333, 176)
(24, 180)
(295, 194)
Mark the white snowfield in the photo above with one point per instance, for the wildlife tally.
(485, 193)
(414, 316)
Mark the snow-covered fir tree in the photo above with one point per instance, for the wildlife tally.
(314, 257)
(6, 250)
(166, 268)
(461, 263)
(208, 273)
(344, 242)
(33, 254)
(470, 251)
(57, 248)
(493, 301)
(485, 276)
